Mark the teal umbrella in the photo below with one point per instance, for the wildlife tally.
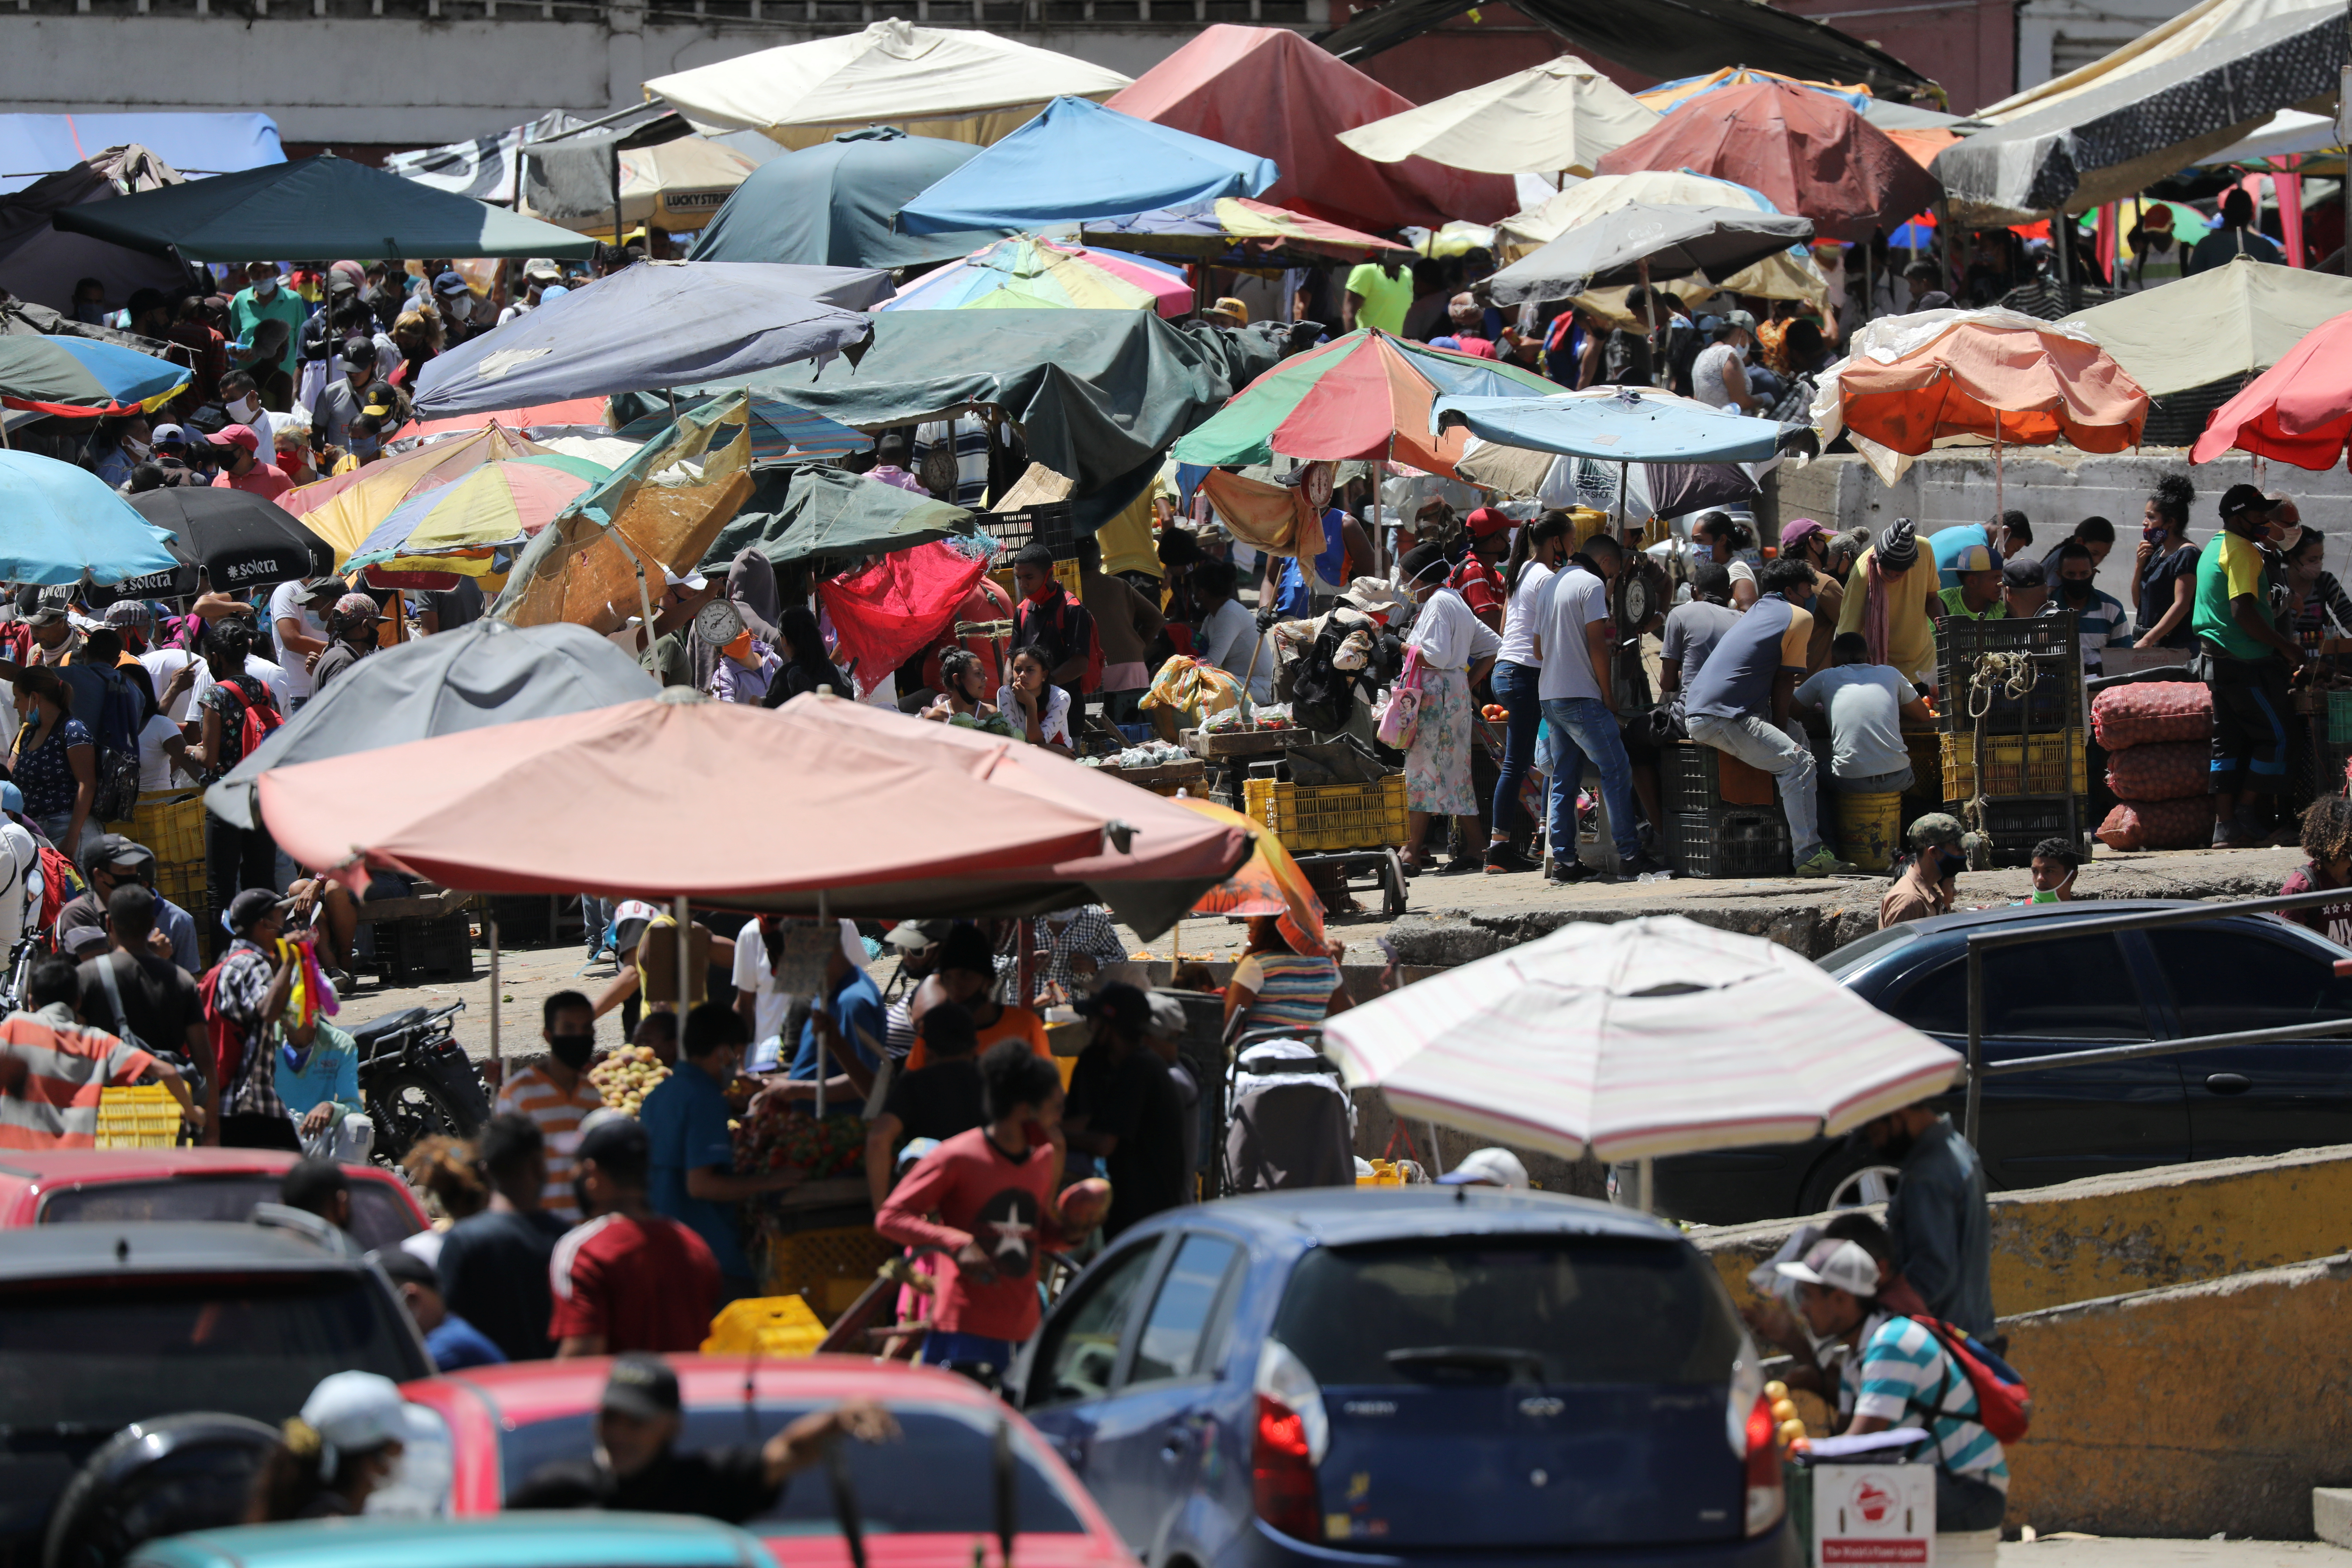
(65, 525)
(803, 512)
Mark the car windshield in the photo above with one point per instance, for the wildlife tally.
(1841, 962)
(378, 1216)
(938, 1478)
(1576, 1311)
(81, 1356)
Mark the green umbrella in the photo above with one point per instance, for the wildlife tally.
(803, 512)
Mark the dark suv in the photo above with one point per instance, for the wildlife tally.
(2236, 973)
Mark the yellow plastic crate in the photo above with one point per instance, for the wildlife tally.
(183, 883)
(172, 824)
(1308, 817)
(828, 1268)
(2030, 764)
(774, 1328)
(143, 1116)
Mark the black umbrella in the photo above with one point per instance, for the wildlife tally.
(1643, 240)
(240, 540)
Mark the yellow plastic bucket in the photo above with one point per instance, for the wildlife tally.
(1869, 828)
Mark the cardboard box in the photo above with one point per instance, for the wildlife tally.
(1874, 1514)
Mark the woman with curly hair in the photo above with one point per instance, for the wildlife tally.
(2164, 575)
(2328, 843)
(343, 1446)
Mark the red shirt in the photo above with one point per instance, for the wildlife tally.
(982, 1194)
(1481, 587)
(644, 1284)
(267, 481)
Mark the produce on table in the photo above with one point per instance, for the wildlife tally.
(773, 1133)
(627, 1075)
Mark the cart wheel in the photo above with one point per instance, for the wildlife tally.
(1392, 887)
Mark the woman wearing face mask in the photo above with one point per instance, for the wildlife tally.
(1924, 885)
(55, 762)
(2164, 571)
(343, 1447)
(131, 450)
(1457, 649)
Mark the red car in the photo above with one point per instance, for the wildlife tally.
(63, 1186)
(922, 1502)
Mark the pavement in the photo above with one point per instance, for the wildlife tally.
(2109, 1552)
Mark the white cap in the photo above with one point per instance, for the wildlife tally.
(1167, 1016)
(1487, 1168)
(1840, 1265)
(353, 1412)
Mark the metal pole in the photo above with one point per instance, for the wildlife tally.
(498, 1062)
(685, 952)
(1436, 1156)
(1944, 240)
(1976, 1046)
(825, 922)
(1646, 1166)
(2063, 242)
(619, 239)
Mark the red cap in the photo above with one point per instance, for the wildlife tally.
(239, 435)
(1486, 520)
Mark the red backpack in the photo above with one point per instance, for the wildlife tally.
(261, 718)
(60, 885)
(222, 1034)
(2004, 1405)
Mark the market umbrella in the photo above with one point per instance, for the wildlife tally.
(1618, 423)
(569, 411)
(461, 526)
(780, 432)
(1668, 96)
(657, 325)
(1645, 1037)
(836, 205)
(65, 525)
(1559, 117)
(1033, 273)
(1238, 231)
(82, 376)
(1787, 275)
(1808, 152)
(531, 807)
(2298, 410)
(1365, 395)
(1638, 242)
(239, 540)
(804, 512)
(344, 509)
(2223, 321)
(1268, 883)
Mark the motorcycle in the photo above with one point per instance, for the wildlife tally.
(416, 1080)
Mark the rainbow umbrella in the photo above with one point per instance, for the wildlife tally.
(84, 376)
(2189, 225)
(1268, 883)
(345, 509)
(466, 525)
(1365, 395)
(1029, 273)
(1667, 96)
(1236, 229)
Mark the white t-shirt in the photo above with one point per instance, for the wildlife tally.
(1708, 372)
(1865, 707)
(769, 1006)
(1519, 613)
(1228, 639)
(282, 688)
(1449, 636)
(1052, 716)
(155, 770)
(163, 663)
(284, 605)
(1573, 600)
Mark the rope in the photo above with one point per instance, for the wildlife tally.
(1995, 674)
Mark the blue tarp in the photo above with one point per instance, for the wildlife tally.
(32, 145)
(1622, 427)
(1079, 160)
(832, 205)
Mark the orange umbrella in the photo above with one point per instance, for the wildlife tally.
(1268, 883)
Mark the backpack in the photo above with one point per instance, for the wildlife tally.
(262, 720)
(2004, 1405)
(223, 1036)
(1322, 695)
(60, 885)
(116, 732)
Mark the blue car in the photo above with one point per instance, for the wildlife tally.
(582, 1540)
(1420, 1377)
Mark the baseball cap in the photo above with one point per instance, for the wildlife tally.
(2159, 216)
(1487, 1168)
(2025, 571)
(1935, 827)
(1839, 1265)
(1168, 1022)
(402, 1267)
(449, 283)
(1126, 1006)
(45, 608)
(1798, 532)
(913, 936)
(318, 587)
(643, 1386)
(114, 849)
(239, 435)
(352, 605)
(1741, 318)
(252, 905)
(130, 612)
(12, 799)
(553, 291)
(168, 436)
(1975, 558)
(2241, 498)
(353, 1412)
(1232, 310)
(1484, 521)
(543, 268)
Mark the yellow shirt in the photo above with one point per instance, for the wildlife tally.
(1910, 632)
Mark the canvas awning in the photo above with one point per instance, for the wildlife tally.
(800, 512)
(2225, 321)
(678, 185)
(1669, 240)
(1561, 115)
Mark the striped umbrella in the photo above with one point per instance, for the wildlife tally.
(345, 509)
(1029, 273)
(778, 431)
(1650, 1037)
(464, 527)
(84, 376)
(1247, 232)
(1365, 395)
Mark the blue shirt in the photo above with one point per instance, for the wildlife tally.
(330, 1073)
(457, 1344)
(180, 926)
(686, 1119)
(855, 1007)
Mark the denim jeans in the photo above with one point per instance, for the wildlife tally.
(1515, 688)
(1582, 728)
(1761, 744)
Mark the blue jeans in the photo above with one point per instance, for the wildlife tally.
(1582, 728)
(1515, 688)
(942, 1346)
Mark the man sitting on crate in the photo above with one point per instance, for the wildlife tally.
(1866, 704)
(109, 861)
(1741, 703)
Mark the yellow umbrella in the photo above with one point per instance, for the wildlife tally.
(345, 509)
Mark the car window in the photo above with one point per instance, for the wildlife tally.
(1172, 1338)
(378, 1217)
(2076, 988)
(2226, 982)
(1082, 1346)
(1841, 962)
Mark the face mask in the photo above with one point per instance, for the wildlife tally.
(1034, 1133)
(1042, 592)
(2077, 588)
(572, 1050)
(137, 448)
(365, 445)
(243, 410)
(265, 288)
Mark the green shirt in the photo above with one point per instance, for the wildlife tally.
(1955, 606)
(247, 311)
(2232, 567)
(1386, 299)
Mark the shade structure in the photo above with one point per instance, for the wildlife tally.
(657, 325)
(1805, 150)
(962, 84)
(780, 432)
(1270, 92)
(345, 509)
(240, 540)
(1634, 492)
(84, 377)
(835, 205)
(40, 264)
(65, 525)
(324, 205)
(1559, 117)
(1268, 883)
(2196, 30)
(567, 412)
(678, 184)
(462, 526)
(2298, 410)
(2224, 321)
(1646, 1037)
(1617, 424)
(1668, 242)
(1787, 275)
(804, 512)
(1912, 381)
(1031, 273)
(1365, 395)
(485, 673)
(1241, 232)
(530, 807)
(1078, 160)
(2289, 133)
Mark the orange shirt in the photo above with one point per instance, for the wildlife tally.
(530, 1092)
(1013, 1024)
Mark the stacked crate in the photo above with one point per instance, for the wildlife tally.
(2034, 782)
(1722, 818)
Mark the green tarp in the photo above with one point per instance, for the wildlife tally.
(800, 512)
(321, 207)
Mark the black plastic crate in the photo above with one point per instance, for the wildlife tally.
(1729, 841)
(441, 947)
(1690, 779)
(2016, 825)
(2055, 701)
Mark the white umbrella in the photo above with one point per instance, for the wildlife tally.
(1649, 1036)
(1783, 275)
(1559, 117)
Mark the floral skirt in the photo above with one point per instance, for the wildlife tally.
(1437, 768)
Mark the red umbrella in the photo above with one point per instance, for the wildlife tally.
(1806, 152)
(2298, 410)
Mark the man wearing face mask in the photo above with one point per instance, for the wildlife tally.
(2101, 622)
(455, 301)
(554, 1093)
(346, 397)
(1925, 887)
(264, 299)
(131, 450)
(692, 1159)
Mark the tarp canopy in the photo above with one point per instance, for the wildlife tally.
(1790, 275)
(1559, 116)
(835, 205)
(1670, 241)
(959, 83)
(2224, 321)
(1269, 91)
(317, 207)
(2176, 37)
(802, 511)
(40, 263)
(85, 377)
(2289, 133)
(2298, 410)
(483, 168)
(32, 145)
(1029, 272)
(654, 325)
(2117, 132)
(678, 184)
(1621, 423)
(1079, 160)
(482, 673)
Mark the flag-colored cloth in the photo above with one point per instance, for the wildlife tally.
(67, 1067)
(1275, 519)
(898, 606)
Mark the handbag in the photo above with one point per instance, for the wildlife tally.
(1399, 719)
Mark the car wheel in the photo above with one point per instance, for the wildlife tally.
(1850, 1178)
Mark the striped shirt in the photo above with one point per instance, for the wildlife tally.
(55, 1107)
(1905, 1374)
(1294, 990)
(530, 1092)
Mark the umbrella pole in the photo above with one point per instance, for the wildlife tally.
(1436, 1155)
(824, 918)
(1944, 240)
(498, 1062)
(2000, 500)
(617, 231)
(1646, 1167)
(685, 949)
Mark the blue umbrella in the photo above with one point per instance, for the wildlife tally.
(65, 526)
(1621, 425)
